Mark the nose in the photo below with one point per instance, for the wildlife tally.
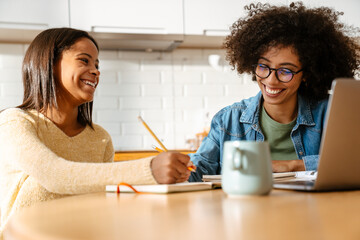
(272, 77)
(94, 71)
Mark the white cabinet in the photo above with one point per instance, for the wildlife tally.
(34, 14)
(214, 17)
(125, 16)
(350, 8)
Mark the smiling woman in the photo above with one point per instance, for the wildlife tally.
(294, 53)
(52, 54)
(77, 73)
(50, 148)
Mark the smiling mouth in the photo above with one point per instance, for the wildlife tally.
(92, 84)
(272, 91)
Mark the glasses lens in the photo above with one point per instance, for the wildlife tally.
(262, 71)
(284, 74)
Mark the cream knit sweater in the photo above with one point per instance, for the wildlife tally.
(39, 162)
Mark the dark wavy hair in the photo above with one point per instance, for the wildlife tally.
(322, 43)
(39, 83)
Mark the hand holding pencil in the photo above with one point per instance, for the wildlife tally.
(190, 165)
(169, 167)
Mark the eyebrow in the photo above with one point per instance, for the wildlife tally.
(282, 64)
(97, 60)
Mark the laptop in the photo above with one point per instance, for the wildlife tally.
(339, 160)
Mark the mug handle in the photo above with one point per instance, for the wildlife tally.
(238, 165)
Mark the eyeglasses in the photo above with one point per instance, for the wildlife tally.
(282, 74)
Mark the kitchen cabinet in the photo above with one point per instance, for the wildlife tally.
(214, 17)
(34, 14)
(124, 16)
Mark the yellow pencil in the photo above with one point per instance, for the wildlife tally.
(157, 149)
(191, 168)
(152, 133)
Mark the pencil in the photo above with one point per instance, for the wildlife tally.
(152, 133)
(157, 149)
(190, 168)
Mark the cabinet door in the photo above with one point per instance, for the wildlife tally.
(124, 16)
(214, 17)
(350, 8)
(34, 14)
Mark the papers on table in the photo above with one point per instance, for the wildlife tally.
(209, 182)
(294, 176)
(277, 177)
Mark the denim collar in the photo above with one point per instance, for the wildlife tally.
(305, 116)
(251, 114)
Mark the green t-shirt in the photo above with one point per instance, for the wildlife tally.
(278, 136)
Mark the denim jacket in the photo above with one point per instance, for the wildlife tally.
(240, 121)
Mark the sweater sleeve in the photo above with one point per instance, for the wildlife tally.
(22, 150)
(109, 152)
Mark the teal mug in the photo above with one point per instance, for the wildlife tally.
(246, 168)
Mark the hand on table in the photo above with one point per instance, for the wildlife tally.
(287, 166)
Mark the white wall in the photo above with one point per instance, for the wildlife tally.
(176, 93)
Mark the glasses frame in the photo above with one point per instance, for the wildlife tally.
(276, 72)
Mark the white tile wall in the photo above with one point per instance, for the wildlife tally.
(176, 93)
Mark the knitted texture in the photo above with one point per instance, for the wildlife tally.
(40, 162)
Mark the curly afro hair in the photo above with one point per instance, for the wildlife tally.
(320, 40)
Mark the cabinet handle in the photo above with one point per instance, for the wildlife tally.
(128, 29)
(24, 25)
(216, 32)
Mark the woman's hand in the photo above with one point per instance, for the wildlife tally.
(170, 167)
(288, 166)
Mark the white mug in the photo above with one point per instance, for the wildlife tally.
(246, 168)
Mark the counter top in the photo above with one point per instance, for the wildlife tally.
(137, 154)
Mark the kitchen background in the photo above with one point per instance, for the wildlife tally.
(164, 62)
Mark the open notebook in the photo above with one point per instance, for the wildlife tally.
(163, 188)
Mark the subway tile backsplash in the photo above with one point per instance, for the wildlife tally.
(176, 93)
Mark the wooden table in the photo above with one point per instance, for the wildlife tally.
(193, 215)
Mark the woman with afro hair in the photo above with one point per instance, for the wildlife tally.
(293, 53)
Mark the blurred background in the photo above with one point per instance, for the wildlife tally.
(160, 59)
